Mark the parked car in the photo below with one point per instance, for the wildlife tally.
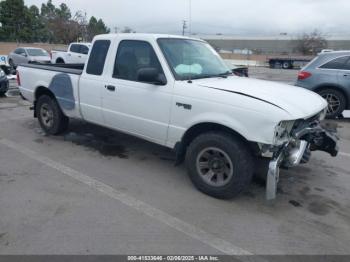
(4, 65)
(329, 76)
(179, 93)
(4, 83)
(25, 55)
(77, 54)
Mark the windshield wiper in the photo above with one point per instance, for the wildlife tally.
(225, 75)
(222, 75)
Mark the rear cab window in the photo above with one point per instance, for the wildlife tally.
(84, 50)
(97, 57)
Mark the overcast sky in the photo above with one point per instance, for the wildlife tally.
(231, 17)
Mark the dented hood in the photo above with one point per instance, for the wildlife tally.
(298, 102)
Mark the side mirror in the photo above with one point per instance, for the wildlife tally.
(24, 54)
(151, 75)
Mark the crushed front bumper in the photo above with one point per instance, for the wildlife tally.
(306, 138)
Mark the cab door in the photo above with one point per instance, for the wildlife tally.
(131, 104)
(74, 55)
(92, 83)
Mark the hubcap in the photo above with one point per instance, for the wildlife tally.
(46, 115)
(333, 103)
(214, 167)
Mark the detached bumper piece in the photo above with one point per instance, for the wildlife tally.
(304, 140)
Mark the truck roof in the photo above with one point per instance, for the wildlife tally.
(340, 52)
(142, 36)
(80, 43)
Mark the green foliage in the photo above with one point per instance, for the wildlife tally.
(96, 28)
(13, 20)
(49, 24)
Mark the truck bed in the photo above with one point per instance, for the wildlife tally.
(76, 69)
(61, 79)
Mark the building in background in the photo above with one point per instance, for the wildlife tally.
(282, 44)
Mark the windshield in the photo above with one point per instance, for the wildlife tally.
(37, 52)
(192, 59)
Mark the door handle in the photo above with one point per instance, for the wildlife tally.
(110, 88)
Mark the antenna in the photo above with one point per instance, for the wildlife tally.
(190, 17)
(184, 26)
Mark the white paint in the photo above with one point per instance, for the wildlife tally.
(70, 57)
(176, 223)
(162, 114)
(344, 154)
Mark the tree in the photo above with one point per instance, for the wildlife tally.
(96, 28)
(12, 19)
(49, 24)
(36, 29)
(311, 43)
(57, 20)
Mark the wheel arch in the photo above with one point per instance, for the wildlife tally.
(335, 87)
(204, 127)
(60, 60)
(40, 91)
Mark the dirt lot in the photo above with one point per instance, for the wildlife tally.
(95, 191)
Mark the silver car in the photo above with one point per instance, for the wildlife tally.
(329, 76)
(25, 55)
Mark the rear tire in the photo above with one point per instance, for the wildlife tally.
(219, 165)
(50, 116)
(336, 102)
(286, 65)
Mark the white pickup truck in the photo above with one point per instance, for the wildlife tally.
(77, 53)
(178, 92)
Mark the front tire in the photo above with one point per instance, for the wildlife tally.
(336, 102)
(219, 165)
(50, 116)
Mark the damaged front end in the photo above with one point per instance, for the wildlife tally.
(297, 139)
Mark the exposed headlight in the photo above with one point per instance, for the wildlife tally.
(283, 132)
(2, 73)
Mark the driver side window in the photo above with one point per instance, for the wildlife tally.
(132, 56)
